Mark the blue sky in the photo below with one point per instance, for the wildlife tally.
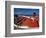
(25, 11)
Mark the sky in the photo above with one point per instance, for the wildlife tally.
(25, 11)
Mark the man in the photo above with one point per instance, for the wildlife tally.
(35, 20)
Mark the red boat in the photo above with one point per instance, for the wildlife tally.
(30, 21)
